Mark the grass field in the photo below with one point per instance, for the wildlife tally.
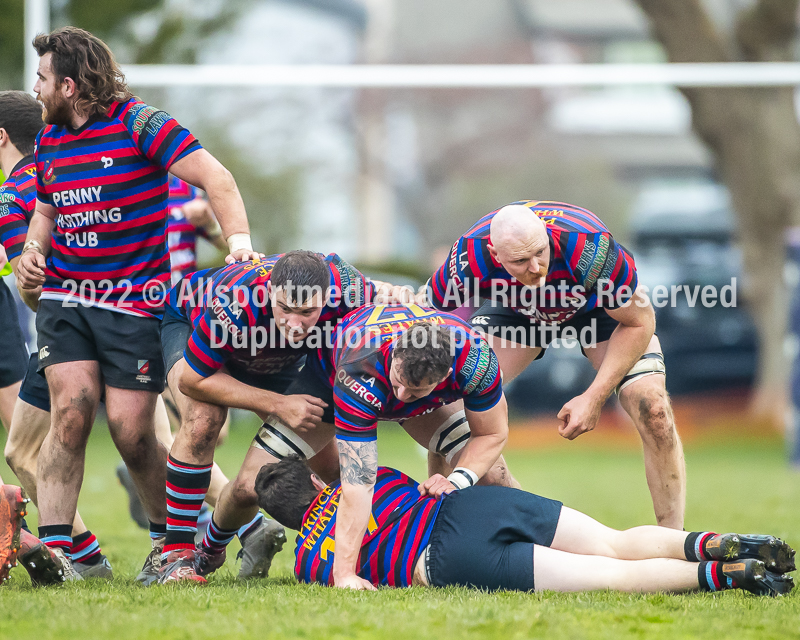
(744, 486)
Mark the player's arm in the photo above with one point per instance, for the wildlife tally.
(294, 411)
(358, 464)
(204, 171)
(637, 324)
(201, 216)
(388, 293)
(30, 268)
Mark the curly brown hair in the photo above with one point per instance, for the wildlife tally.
(79, 55)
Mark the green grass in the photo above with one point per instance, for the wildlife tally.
(742, 486)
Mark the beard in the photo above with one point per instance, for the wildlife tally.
(57, 110)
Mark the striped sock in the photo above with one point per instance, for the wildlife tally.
(85, 548)
(712, 578)
(57, 536)
(157, 530)
(216, 538)
(695, 546)
(251, 526)
(187, 485)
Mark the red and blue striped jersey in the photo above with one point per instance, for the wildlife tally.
(17, 203)
(108, 183)
(399, 530)
(357, 367)
(583, 256)
(181, 234)
(233, 324)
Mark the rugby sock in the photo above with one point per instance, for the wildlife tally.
(251, 526)
(695, 546)
(86, 549)
(712, 577)
(216, 538)
(187, 485)
(57, 536)
(157, 530)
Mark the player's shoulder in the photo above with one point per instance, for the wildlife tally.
(561, 218)
(480, 230)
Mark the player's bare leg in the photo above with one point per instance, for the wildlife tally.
(647, 403)
(29, 427)
(8, 398)
(444, 432)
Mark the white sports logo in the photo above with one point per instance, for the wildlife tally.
(44, 352)
(482, 320)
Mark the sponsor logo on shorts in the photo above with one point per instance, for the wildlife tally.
(44, 352)
(143, 366)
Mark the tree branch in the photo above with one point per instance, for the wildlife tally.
(766, 31)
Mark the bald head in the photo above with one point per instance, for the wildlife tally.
(520, 243)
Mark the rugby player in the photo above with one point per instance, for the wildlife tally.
(501, 538)
(28, 424)
(548, 270)
(97, 246)
(235, 337)
(400, 363)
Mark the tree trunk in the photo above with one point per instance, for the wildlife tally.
(755, 138)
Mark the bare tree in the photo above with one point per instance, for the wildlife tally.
(755, 138)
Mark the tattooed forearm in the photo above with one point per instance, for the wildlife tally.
(358, 461)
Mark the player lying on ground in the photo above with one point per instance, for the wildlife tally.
(400, 363)
(504, 538)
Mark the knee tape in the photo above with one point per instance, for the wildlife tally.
(647, 365)
(282, 442)
(451, 436)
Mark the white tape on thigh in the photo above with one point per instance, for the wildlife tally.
(451, 436)
(647, 365)
(281, 441)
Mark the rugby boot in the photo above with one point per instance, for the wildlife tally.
(751, 575)
(152, 564)
(135, 507)
(180, 567)
(100, 569)
(207, 561)
(776, 555)
(259, 548)
(42, 565)
(70, 574)
(12, 510)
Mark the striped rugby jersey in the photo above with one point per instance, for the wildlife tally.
(399, 530)
(582, 253)
(181, 234)
(358, 369)
(224, 324)
(108, 183)
(17, 204)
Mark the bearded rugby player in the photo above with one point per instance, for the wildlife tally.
(97, 246)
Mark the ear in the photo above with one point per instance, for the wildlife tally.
(69, 87)
(3, 137)
(449, 373)
(270, 289)
(492, 251)
(319, 485)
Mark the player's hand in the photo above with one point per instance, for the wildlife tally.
(354, 582)
(579, 415)
(3, 257)
(394, 294)
(30, 270)
(437, 486)
(422, 297)
(300, 412)
(243, 255)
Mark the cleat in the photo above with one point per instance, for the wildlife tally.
(11, 509)
(100, 569)
(777, 556)
(179, 566)
(152, 564)
(752, 575)
(259, 548)
(67, 570)
(207, 562)
(135, 507)
(39, 561)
